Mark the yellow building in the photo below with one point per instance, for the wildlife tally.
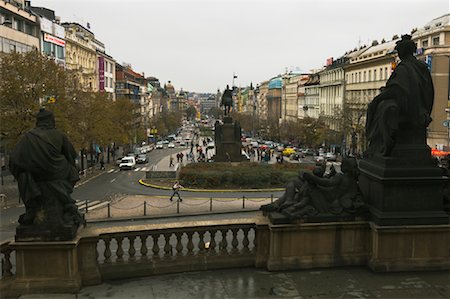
(81, 55)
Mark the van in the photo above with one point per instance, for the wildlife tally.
(127, 163)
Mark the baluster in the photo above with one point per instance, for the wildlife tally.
(212, 244)
(245, 241)
(144, 249)
(179, 246)
(107, 252)
(167, 246)
(155, 248)
(6, 263)
(119, 251)
(224, 243)
(190, 244)
(201, 242)
(132, 250)
(234, 242)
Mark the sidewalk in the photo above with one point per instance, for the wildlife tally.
(346, 282)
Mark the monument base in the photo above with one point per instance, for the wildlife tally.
(409, 248)
(32, 233)
(46, 267)
(313, 245)
(401, 192)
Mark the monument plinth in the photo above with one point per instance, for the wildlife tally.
(228, 143)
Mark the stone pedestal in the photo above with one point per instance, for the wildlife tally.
(404, 189)
(409, 248)
(312, 245)
(46, 267)
(228, 142)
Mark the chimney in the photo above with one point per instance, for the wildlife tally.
(58, 19)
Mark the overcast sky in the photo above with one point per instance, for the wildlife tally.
(198, 45)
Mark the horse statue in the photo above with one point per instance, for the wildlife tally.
(227, 101)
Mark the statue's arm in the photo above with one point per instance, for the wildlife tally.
(333, 181)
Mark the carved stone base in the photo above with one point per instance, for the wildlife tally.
(34, 233)
(403, 192)
(312, 245)
(409, 248)
(46, 267)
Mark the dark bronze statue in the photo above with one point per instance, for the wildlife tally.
(314, 196)
(43, 163)
(227, 101)
(401, 112)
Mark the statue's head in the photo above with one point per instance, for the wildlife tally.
(228, 87)
(45, 119)
(405, 47)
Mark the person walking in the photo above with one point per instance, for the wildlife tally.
(171, 161)
(176, 187)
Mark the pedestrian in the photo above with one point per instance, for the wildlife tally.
(102, 163)
(181, 157)
(176, 187)
(171, 161)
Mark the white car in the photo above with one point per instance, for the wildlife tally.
(127, 163)
(211, 145)
(159, 145)
(171, 145)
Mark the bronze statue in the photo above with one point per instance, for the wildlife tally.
(43, 163)
(313, 195)
(227, 101)
(401, 112)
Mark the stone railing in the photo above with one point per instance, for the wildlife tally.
(166, 248)
(7, 268)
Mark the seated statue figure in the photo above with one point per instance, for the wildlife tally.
(313, 194)
(43, 163)
(400, 114)
(291, 195)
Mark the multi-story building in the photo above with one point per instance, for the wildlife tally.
(81, 55)
(261, 101)
(289, 107)
(52, 37)
(433, 43)
(19, 28)
(312, 107)
(274, 99)
(105, 70)
(302, 110)
(367, 71)
(331, 93)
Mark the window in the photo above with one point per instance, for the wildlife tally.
(370, 75)
(424, 43)
(374, 75)
(59, 52)
(364, 76)
(381, 73)
(385, 73)
(436, 41)
(47, 48)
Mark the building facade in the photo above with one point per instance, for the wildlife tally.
(290, 97)
(311, 106)
(433, 45)
(81, 55)
(19, 28)
(367, 71)
(331, 93)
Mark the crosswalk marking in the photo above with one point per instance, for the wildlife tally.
(111, 170)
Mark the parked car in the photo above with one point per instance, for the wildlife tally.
(182, 143)
(127, 163)
(171, 145)
(159, 145)
(141, 159)
(210, 145)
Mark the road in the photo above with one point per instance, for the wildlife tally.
(115, 182)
